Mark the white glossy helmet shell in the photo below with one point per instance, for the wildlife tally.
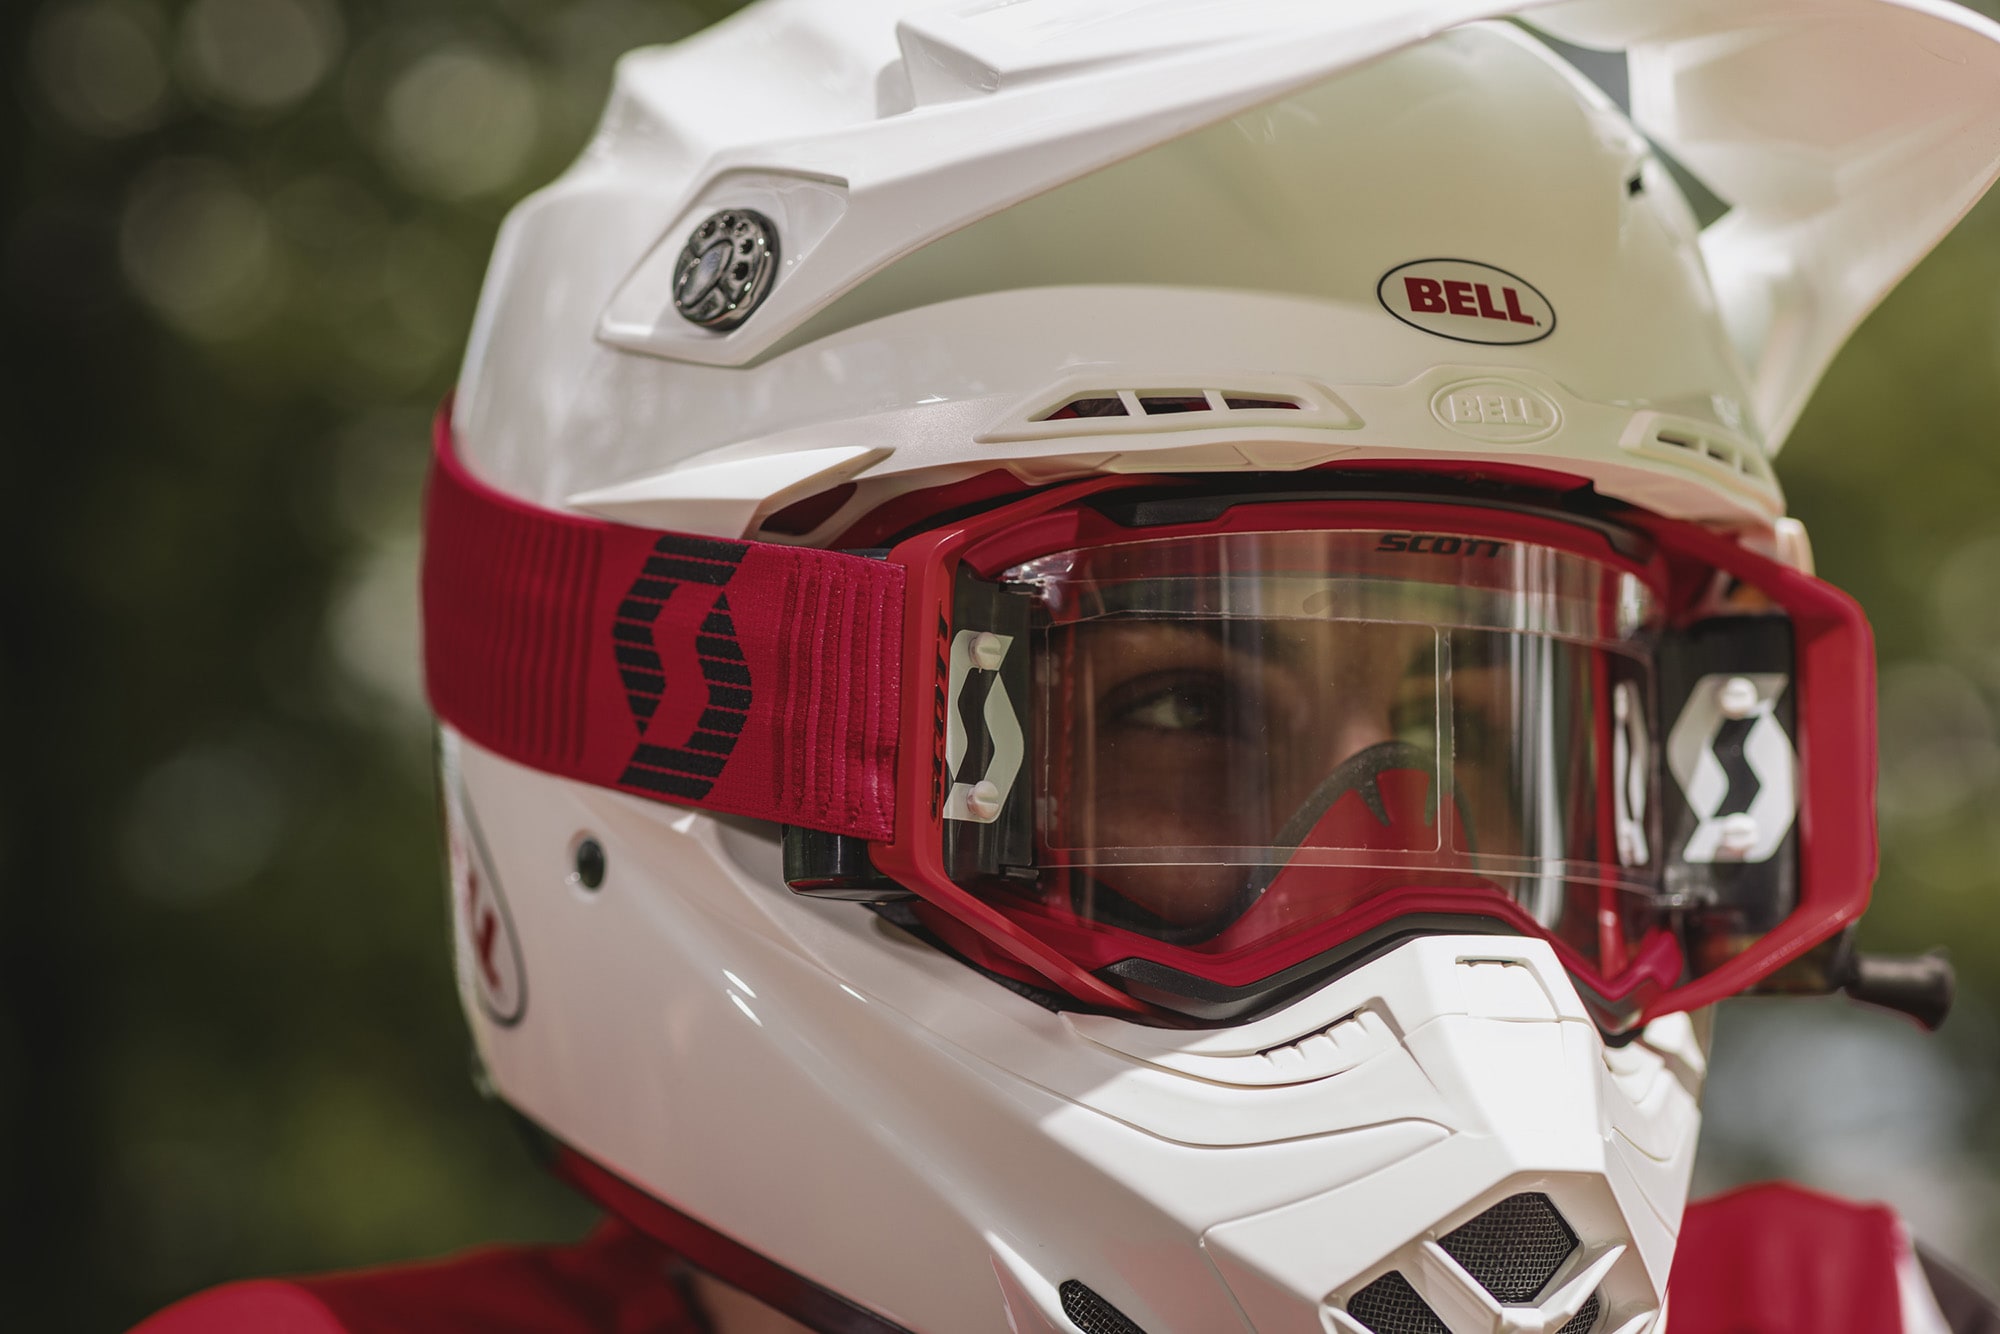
(983, 212)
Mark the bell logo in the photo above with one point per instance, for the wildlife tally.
(1467, 302)
(1496, 410)
(488, 950)
(1439, 296)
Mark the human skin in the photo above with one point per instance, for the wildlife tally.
(1210, 735)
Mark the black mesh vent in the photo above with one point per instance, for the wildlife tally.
(1514, 1248)
(1107, 403)
(1093, 1315)
(1390, 1305)
(1158, 405)
(1585, 1320)
(1108, 406)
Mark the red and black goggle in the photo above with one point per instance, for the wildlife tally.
(842, 696)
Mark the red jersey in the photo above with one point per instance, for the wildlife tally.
(1772, 1259)
(616, 1281)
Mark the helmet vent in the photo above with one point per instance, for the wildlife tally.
(1586, 1319)
(1098, 405)
(1166, 403)
(1093, 1315)
(1724, 452)
(1514, 1248)
(1702, 446)
(1390, 1305)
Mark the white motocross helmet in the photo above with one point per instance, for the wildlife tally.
(1134, 665)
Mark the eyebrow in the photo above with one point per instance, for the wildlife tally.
(1278, 649)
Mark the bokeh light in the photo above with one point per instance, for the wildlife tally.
(259, 55)
(100, 65)
(199, 248)
(1938, 752)
(1966, 604)
(461, 121)
(204, 823)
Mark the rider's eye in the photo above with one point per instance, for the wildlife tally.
(1156, 703)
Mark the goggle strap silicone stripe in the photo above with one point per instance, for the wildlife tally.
(744, 678)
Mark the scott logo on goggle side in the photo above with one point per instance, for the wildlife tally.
(940, 715)
(1466, 301)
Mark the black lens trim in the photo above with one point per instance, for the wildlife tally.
(1199, 998)
(1159, 507)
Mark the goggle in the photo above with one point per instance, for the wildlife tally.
(1164, 750)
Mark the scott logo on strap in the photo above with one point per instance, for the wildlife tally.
(688, 770)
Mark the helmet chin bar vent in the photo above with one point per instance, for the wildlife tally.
(1514, 1250)
(1091, 1313)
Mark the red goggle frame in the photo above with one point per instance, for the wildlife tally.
(769, 681)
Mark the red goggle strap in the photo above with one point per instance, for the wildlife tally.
(740, 677)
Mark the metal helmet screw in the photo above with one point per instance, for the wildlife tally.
(726, 269)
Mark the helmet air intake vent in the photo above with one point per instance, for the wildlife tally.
(1514, 1248)
(1514, 1251)
(1095, 405)
(1722, 452)
(1161, 405)
(1092, 1314)
(1166, 402)
(1263, 408)
(1684, 442)
(1585, 1319)
(1390, 1305)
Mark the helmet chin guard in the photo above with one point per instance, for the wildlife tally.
(1171, 632)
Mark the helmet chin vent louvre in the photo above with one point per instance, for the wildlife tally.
(1390, 1305)
(1514, 1248)
(1093, 1315)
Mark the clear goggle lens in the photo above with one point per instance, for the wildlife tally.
(1242, 736)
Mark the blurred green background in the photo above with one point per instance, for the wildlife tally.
(239, 247)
